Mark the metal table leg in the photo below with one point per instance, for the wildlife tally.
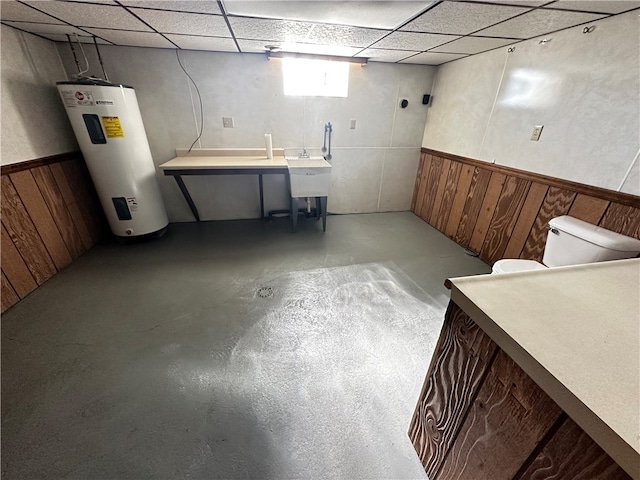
(294, 214)
(323, 206)
(261, 196)
(187, 197)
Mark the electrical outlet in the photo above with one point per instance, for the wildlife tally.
(352, 125)
(537, 131)
(227, 122)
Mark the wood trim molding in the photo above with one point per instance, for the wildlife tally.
(39, 162)
(603, 193)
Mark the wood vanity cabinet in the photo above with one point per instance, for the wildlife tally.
(480, 416)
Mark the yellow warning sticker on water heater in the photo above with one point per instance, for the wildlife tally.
(112, 127)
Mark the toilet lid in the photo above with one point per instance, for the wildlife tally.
(516, 265)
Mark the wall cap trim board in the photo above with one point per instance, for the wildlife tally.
(38, 162)
(603, 193)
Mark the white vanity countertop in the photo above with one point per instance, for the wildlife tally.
(576, 332)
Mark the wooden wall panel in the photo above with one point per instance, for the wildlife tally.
(507, 420)
(86, 198)
(15, 268)
(462, 346)
(489, 203)
(426, 165)
(556, 203)
(526, 219)
(448, 196)
(416, 187)
(442, 183)
(472, 206)
(70, 201)
(461, 197)
(571, 453)
(50, 216)
(622, 219)
(432, 187)
(24, 234)
(9, 297)
(462, 190)
(37, 209)
(54, 200)
(504, 219)
(588, 209)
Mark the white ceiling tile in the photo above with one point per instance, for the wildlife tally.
(413, 41)
(106, 2)
(256, 46)
(274, 30)
(538, 22)
(373, 14)
(517, 3)
(473, 45)
(56, 37)
(432, 58)
(380, 55)
(604, 6)
(12, 10)
(185, 23)
(193, 42)
(461, 18)
(47, 28)
(202, 6)
(91, 15)
(136, 39)
(344, 35)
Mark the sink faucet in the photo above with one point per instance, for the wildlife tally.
(304, 154)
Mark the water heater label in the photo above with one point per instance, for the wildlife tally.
(112, 127)
(74, 98)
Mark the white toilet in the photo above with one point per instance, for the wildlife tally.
(572, 242)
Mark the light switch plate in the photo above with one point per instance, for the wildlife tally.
(352, 125)
(537, 131)
(227, 122)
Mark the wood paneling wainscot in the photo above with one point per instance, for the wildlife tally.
(481, 417)
(501, 212)
(50, 216)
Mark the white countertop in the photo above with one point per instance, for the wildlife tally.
(225, 158)
(232, 162)
(576, 332)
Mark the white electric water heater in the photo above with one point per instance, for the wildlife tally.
(107, 123)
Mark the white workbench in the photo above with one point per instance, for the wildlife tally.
(215, 161)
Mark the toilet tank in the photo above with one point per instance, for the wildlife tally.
(572, 242)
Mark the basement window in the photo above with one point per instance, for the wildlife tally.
(315, 78)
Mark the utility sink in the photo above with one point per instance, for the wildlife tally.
(310, 176)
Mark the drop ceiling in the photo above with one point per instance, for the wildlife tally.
(422, 32)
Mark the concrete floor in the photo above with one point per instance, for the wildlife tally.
(230, 350)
